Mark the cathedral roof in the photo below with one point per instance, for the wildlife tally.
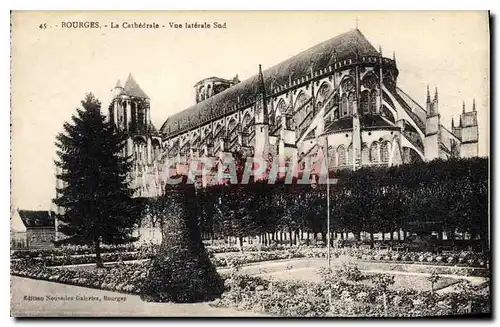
(133, 89)
(316, 58)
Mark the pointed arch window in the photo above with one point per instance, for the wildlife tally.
(384, 152)
(277, 120)
(331, 156)
(280, 110)
(365, 154)
(347, 85)
(324, 92)
(365, 101)
(344, 105)
(373, 101)
(341, 156)
(275, 117)
(350, 155)
(301, 99)
(231, 126)
(336, 108)
(350, 109)
(374, 153)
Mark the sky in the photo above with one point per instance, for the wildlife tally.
(53, 68)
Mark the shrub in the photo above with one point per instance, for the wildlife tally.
(349, 272)
(182, 271)
(382, 281)
(433, 279)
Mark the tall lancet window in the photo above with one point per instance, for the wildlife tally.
(365, 101)
(344, 105)
(331, 157)
(373, 101)
(374, 153)
(280, 110)
(300, 111)
(301, 99)
(336, 106)
(350, 155)
(350, 110)
(365, 154)
(341, 155)
(141, 118)
(384, 152)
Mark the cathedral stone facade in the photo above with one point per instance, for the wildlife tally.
(340, 97)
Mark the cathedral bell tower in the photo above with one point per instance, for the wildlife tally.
(129, 109)
(261, 120)
(130, 113)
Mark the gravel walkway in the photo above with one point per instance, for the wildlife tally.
(66, 300)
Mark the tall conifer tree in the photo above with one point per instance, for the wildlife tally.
(96, 198)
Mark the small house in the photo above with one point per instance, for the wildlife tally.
(32, 229)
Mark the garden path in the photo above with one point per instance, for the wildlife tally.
(131, 305)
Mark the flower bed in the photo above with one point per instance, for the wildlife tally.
(335, 297)
(255, 254)
(226, 261)
(245, 258)
(86, 259)
(144, 252)
(69, 250)
(461, 259)
(120, 278)
(464, 258)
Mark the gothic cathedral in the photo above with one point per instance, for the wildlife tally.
(340, 96)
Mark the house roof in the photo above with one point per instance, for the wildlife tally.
(316, 58)
(133, 89)
(33, 219)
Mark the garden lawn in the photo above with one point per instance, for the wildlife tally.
(307, 270)
(401, 280)
(407, 276)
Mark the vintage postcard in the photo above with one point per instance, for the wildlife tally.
(250, 164)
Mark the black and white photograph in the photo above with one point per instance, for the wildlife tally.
(271, 164)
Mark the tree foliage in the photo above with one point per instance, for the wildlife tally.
(441, 196)
(96, 198)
